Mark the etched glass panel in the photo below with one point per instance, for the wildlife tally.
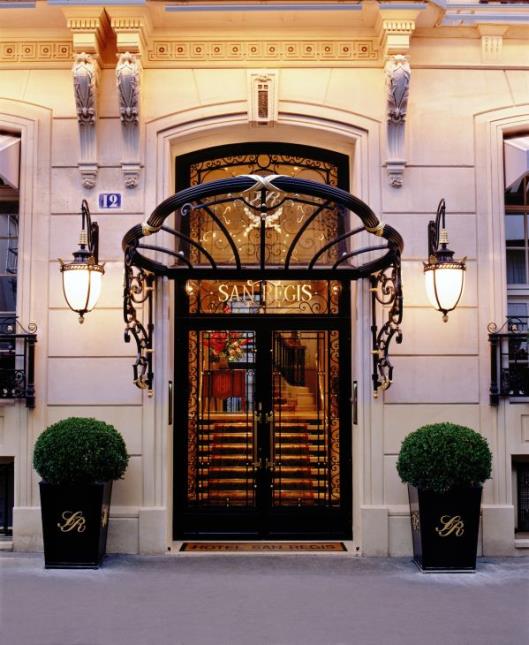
(242, 215)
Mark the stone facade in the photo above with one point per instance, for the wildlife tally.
(183, 82)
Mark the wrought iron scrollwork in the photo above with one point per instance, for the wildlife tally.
(17, 360)
(386, 289)
(509, 359)
(288, 229)
(138, 291)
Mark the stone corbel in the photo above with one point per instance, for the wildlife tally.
(128, 76)
(398, 75)
(132, 34)
(85, 72)
(87, 35)
(395, 29)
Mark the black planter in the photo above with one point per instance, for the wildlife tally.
(74, 524)
(444, 528)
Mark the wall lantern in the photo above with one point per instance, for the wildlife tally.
(81, 279)
(443, 275)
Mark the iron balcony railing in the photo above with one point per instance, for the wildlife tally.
(509, 360)
(17, 360)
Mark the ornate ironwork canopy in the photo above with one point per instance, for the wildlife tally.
(254, 227)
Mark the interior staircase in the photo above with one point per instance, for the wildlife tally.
(300, 472)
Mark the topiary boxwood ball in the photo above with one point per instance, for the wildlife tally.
(443, 456)
(80, 450)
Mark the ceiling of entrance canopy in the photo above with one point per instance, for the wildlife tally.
(259, 227)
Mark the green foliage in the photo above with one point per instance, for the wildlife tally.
(80, 450)
(443, 456)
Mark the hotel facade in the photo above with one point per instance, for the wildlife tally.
(263, 391)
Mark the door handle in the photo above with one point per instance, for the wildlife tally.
(170, 409)
(269, 421)
(257, 419)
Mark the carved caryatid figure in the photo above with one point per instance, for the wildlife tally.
(398, 83)
(128, 79)
(84, 82)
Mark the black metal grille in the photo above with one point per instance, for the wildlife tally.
(509, 359)
(267, 253)
(523, 496)
(7, 471)
(17, 360)
(270, 257)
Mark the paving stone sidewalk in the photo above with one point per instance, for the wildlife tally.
(262, 600)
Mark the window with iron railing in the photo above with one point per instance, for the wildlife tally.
(16, 343)
(509, 342)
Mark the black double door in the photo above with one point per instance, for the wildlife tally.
(262, 434)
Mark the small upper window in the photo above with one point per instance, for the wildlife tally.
(8, 249)
(516, 232)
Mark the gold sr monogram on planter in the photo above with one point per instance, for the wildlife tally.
(451, 525)
(415, 522)
(73, 521)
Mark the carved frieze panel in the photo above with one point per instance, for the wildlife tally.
(36, 51)
(175, 52)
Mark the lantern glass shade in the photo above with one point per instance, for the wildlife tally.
(82, 286)
(444, 285)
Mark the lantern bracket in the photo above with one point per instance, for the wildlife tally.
(138, 293)
(437, 235)
(89, 239)
(386, 289)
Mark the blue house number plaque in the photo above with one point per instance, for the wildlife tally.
(109, 200)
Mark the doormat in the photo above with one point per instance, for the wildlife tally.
(263, 547)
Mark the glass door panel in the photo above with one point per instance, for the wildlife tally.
(222, 446)
(263, 443)
(304, 424)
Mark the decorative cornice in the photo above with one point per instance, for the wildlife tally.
(36, 51)
(174, 52)
(133, 32)
(128, 23)
(491, 42)
(398, 26)
(83, 24)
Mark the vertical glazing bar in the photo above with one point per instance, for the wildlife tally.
(262, 239)
(374, 347)
(29, 369)
(494, 391)
(5, 473)
(322, 394)
(328, 414)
